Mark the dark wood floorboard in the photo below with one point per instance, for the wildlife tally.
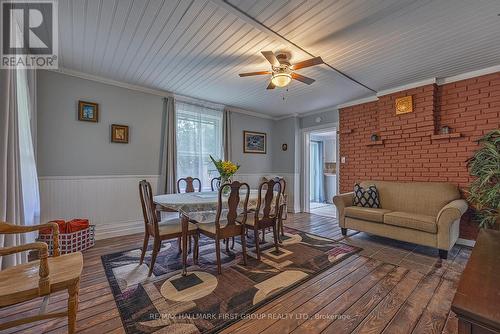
(390, 287)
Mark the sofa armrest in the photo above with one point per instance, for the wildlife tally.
(342, 201)
(451, 212)
(448, 221)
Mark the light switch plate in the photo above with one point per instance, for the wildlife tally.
(342, 160)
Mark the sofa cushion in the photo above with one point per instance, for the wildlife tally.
(370, 214)
(365, 197)
(411, 220)
(426, 198)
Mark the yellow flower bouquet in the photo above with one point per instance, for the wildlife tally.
(226, 169)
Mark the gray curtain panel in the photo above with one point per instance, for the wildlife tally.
(168, 158)
(226, 134)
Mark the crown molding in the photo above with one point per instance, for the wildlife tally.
(318, 111)
(111, 82)
(469, 75)
(406, 87)
(358, 101)
(188, 99)
(438, 81)
(156, 92)
(249, 113)
(279, 118)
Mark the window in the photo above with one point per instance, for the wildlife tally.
(199, 135)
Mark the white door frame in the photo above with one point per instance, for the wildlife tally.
(305, 157)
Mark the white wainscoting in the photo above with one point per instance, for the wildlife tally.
(111, 202)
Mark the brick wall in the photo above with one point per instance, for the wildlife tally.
(470, 107)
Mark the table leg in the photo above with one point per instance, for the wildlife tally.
(184, 223)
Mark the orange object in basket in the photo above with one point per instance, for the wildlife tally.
(76, 225)
(62, 227)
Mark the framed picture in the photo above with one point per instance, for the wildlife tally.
(404, 105)
(119, 133)
(254, 142)
(88, 111)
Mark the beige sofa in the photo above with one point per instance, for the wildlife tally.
(424, 213)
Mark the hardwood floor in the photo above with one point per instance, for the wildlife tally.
(389, 287)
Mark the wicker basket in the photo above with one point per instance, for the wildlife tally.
(71, 242)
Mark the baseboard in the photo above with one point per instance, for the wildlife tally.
(466, 242)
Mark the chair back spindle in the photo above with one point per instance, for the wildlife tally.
(148, 208)
(233, 203)
(215, 183)
(271, 186)
(189, 184)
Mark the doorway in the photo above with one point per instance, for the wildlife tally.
(320, 171)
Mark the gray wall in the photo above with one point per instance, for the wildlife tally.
(251, 163)
(285, 131)
(68, 147)
(330, 116)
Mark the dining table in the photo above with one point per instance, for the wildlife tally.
(200, 208)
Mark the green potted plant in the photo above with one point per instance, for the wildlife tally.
(226, 170)
(484, 192)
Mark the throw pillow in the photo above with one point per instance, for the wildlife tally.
(367, 198)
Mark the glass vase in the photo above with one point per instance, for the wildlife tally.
(226, 190)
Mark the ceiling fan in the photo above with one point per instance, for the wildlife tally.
(282, 72)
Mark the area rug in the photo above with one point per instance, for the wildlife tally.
(202, 301)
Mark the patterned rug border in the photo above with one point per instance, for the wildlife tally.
(115, 288)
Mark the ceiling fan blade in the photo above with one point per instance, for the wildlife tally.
(271, 58)
(302, 78)
(271, 86)
(307, 63)
(254, 73)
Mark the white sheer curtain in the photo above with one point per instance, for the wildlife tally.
(19, 197)
(199, 135)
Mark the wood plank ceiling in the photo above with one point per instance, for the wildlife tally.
(197, 47)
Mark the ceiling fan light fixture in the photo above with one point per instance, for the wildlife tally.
(281, 79)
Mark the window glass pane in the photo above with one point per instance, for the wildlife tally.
(199, 135)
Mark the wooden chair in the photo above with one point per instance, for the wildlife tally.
(232, 224)
(189, 184)
(283, 207)
(160, 231)
(269, 215)
(40, 278)
(215, 183)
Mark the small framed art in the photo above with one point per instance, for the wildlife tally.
(88, 111)
(404, 105)
(254, 142)
(119, 133)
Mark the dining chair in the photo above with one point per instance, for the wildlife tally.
(40, 278)
(268, 216)
(163, 230)
(283, 207)
(229, 222)
(189, 184)
(215, 183)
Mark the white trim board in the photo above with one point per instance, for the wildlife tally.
(466, 242)
(111, 202)
(157, 92)
(437, 81)
(371, 98)
(406, 87)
